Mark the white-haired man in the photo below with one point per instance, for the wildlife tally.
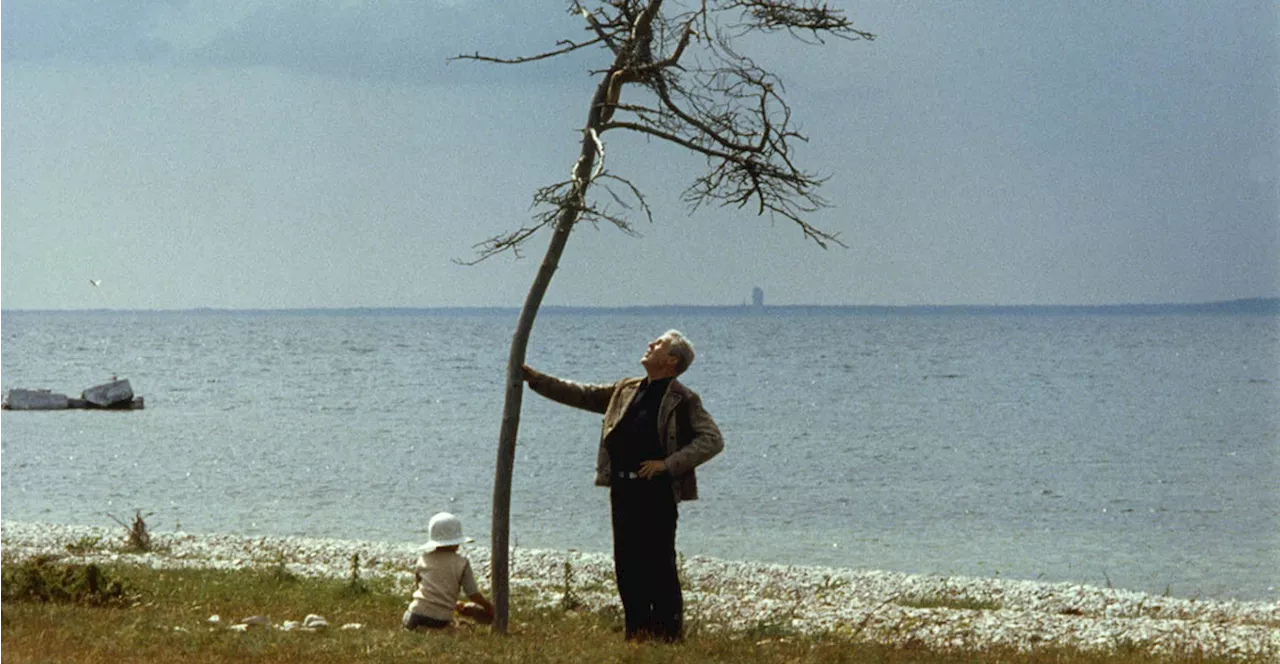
(655, 433)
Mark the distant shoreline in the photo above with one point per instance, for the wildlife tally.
(1248, 306)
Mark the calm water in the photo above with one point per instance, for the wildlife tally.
(1141, 451)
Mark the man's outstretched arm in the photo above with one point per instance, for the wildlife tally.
(586, 396)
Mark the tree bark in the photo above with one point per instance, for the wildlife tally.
(571, 209)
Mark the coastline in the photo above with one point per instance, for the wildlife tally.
(887, 607)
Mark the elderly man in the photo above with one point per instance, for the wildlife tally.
(655, 433)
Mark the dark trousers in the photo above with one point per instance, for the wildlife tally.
(644, 558)
(414, 622)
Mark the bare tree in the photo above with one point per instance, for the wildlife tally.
(688, 86)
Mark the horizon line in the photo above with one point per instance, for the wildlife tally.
(1244, 304)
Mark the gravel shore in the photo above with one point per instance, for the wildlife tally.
(769, 600)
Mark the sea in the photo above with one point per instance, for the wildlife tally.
(1136, 448)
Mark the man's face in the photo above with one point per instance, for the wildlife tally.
(659, 355)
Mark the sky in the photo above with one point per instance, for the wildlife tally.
(326, 153)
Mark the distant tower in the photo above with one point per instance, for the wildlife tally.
(757, 297)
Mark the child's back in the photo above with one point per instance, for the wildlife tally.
(440, 574)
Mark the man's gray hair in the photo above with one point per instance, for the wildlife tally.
(682, 348)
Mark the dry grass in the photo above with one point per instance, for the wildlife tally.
(947, 602)
(165, 621)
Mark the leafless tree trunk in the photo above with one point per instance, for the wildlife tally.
(568, 215)
(696, 91)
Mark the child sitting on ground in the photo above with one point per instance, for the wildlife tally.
(440, 574)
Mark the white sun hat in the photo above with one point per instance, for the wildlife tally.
(445, 529)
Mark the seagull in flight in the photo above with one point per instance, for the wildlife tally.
(95, 282)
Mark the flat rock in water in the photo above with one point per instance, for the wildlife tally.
(117, 391)
(19, 399)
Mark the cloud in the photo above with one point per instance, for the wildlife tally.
(405, 41)
(78, 30)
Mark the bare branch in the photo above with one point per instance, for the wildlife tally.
(719, 136)
(502, 243)
(813, 17)
(635, 192)
(566, 47)
(671, 138)
(706, 97)
(577, 8)
(551, 198)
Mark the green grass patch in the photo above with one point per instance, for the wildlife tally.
(85, 545)
(163, 614)
(948, 602)
(44, 580)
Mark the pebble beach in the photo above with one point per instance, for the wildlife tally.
(754, 598)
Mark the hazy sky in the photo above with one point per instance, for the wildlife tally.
(323, 153)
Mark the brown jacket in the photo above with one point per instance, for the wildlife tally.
(685, 449)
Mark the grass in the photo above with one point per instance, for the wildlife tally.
(160, 616)
(947, 602)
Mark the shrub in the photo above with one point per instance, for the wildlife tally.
(139, 537)
(42, 579)
(86, 544)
